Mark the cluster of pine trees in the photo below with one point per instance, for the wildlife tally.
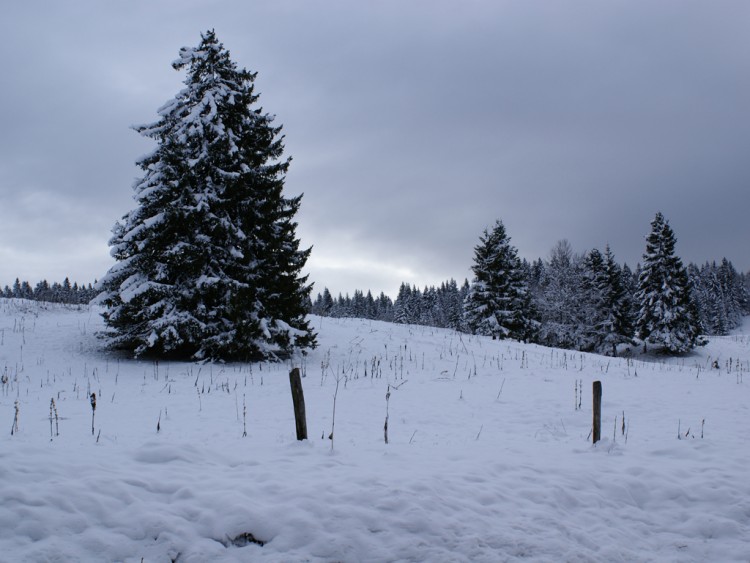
(56, 292)
(434, 306)
(722, 295)
(585, 302)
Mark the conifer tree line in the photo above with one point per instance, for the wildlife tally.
(209, 266)
(56, 292)
(586, 302)
(433, 306)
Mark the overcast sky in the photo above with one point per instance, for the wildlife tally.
(412, 126)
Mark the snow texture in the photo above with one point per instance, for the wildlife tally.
(488, 457)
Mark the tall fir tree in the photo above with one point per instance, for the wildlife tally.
(17, 292)
(592, 304)
(612, 322)
(559, 298)
(327, 300)
(453, 305)
(667, 317)
(402, 308)
(498, 303)
(384, 308)
(208, 264)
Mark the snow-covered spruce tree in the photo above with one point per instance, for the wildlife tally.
(619, 321)
(611, 323)
(323, 304)
(559, 298)
(499, 302)
(452, 305)
(402, 308)
(208, 264)
(592, 302)
(667, 317)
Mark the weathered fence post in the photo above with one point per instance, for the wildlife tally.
(298, 398)
(597, 429)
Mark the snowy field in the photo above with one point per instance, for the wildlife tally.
(489, 457)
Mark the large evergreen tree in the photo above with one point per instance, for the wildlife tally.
(208, 264)
(498, 303)
(667, 316)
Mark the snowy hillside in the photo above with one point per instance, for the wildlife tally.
(488, 456)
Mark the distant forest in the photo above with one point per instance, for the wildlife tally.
(64, 292)
(561, 299)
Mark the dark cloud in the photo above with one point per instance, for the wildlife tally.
(412, 126)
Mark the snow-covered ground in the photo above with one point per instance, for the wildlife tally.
(488, 458)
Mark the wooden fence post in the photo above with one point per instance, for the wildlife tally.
(597, 429)
(298, 398)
